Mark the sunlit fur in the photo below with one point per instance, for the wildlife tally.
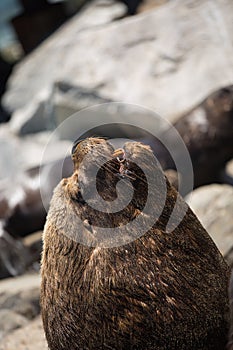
(163, 291)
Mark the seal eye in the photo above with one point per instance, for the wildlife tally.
(75, 144)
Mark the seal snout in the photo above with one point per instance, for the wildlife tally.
(119, 154)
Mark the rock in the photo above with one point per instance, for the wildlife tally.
(8, 160)
(132, 6)
(18, 154)
(14, 256)
(48, 111)
(24, 303)
(10, 320)
(68, 99)
(23, 283)
(5, 71)
(24, 199)
(213, 206)
(148, 5)
(96, 15)
(32, 118)
(72, 6)
(30, 337)
(167, 59)
(18, 256)
(4, 115)
(19, 302)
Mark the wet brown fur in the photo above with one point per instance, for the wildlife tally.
(163, 291)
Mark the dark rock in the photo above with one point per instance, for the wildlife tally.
(5, 71)
(14, 256)
(132, 6)
(26, 214)
(4, 115)
(46, 112)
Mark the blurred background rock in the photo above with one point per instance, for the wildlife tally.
(58, 57)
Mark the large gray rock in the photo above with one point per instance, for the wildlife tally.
(167, 59)
(68, 99)
(46, 112)
(213, 205)
(31, 119)
(18, 154)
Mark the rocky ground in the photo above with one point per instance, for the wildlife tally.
(167, 58)
(29, 337)
(20, 322)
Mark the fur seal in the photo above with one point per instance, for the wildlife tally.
(207, 131)
(161, 291)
